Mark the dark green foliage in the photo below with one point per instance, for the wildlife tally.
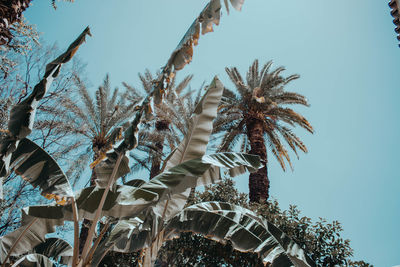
(194, 250)
(114, 259)
(322, 240)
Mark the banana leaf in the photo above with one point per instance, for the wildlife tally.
(171, 183)
(22, 115)
(219, 221)
(34, 260)
(126, 201)
(135, 182)
(37, 229)
(245, 231)
(129, 201)
(195, 142)
(209, 16)
(105, 168)
(33, 164)
(187, 175)
(121, 237)
(57, 249)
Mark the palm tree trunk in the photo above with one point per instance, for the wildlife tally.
(156, 161)
(86, 223)
(161, 125)
(258, 181)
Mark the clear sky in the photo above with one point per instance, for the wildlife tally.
(347, 55)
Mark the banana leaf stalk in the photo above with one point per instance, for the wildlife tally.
(89, 240)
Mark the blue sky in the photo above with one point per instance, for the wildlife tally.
(347, 55)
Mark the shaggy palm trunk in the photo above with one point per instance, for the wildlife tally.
(87, 223)
(161, 125)
(10, 12)
(258, 181)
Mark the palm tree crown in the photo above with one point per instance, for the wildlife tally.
(258, 114)
(93, 122)
(171, 121)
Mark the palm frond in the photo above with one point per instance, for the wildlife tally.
(88, 102)
(237, 80)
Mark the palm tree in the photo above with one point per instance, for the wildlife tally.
(171, 121)
(258, 114)
(93, 123)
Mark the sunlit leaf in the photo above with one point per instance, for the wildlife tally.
(219, 221)
(37, 167)
(34, 260)
(179, 179)
(34, 235)
(57, 249)
(245, 230)
(195, 142)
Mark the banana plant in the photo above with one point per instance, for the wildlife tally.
(124, 202)
(18, 152)
(51, 251)
(219, 221)
(157, 224)
(152, 205)
(145, 204)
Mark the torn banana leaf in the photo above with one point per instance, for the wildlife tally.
(124, 202)
(34, 260)
(37, 167)
(209, 16)
(56, 249)
(196, 140)
(189, 174)
(22, 115)
(105, 167)
(247, 232)
(128, 201)
(195, 143)
(219, 221)
(121, 239)
(35, 235)
(168, 186)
